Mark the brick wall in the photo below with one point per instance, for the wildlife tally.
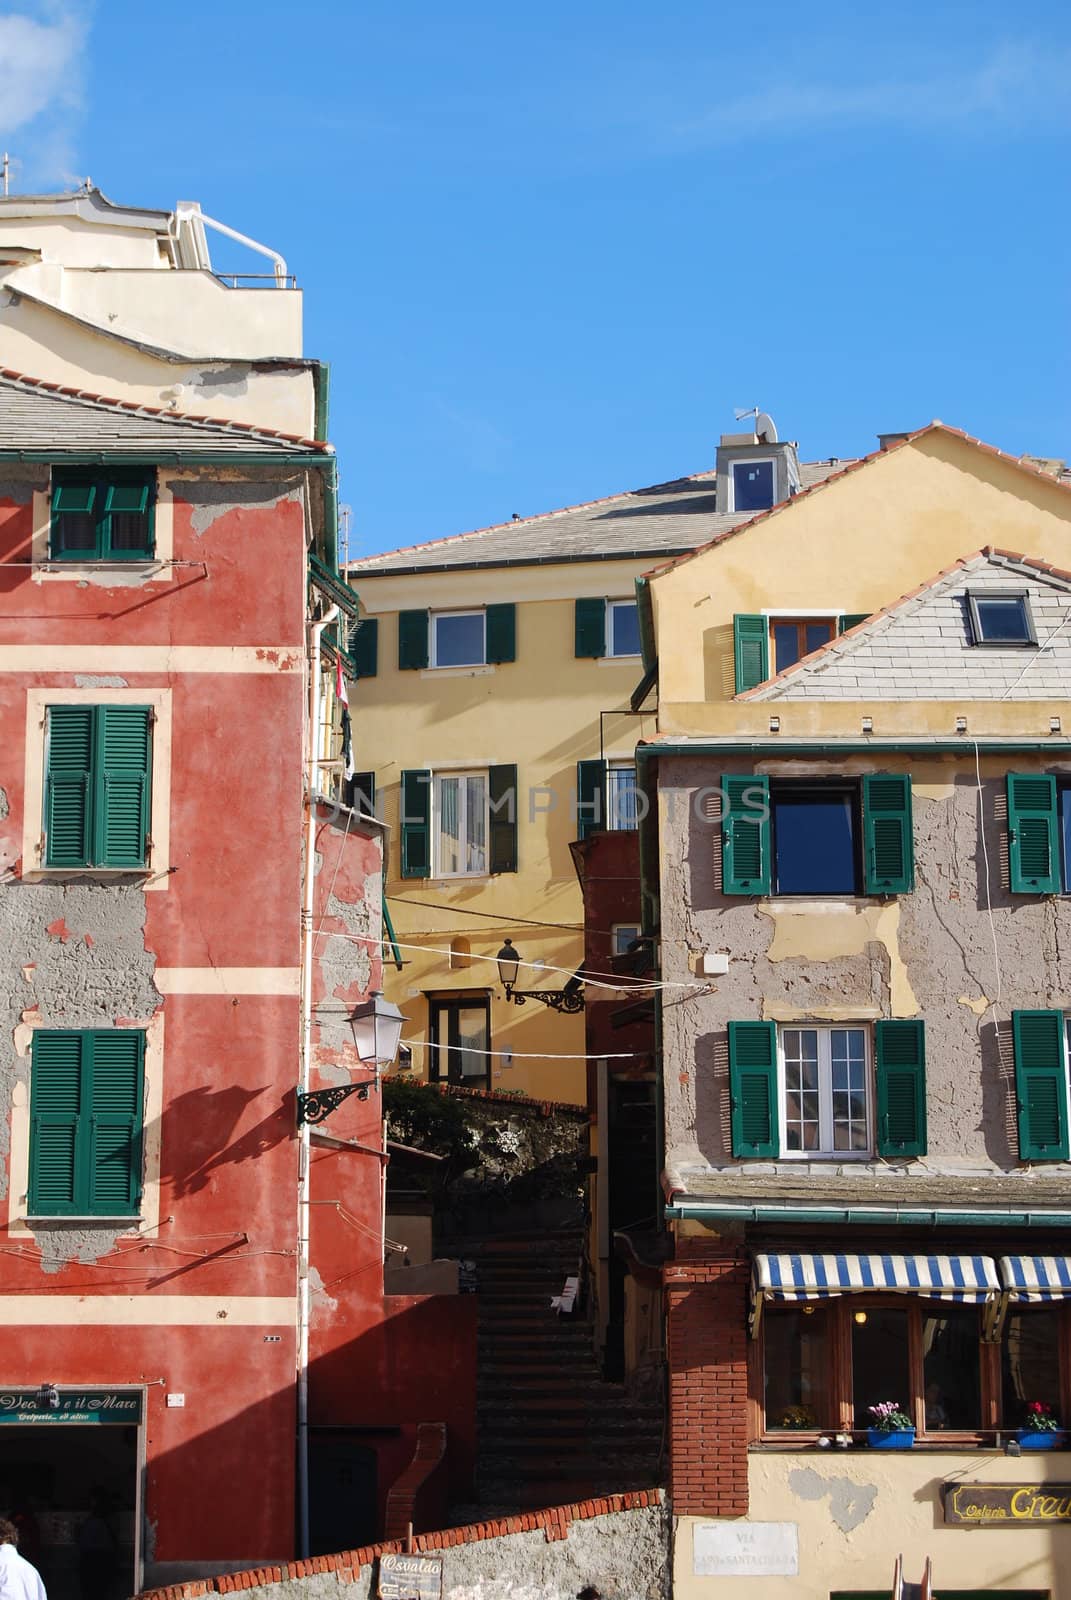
(706, 1310)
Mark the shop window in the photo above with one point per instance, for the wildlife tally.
(1029, 1361)
(951, 1379)
(880, 1364)
(797, 1368)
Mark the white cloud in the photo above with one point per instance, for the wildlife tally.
(1016, 84)
(41, 71)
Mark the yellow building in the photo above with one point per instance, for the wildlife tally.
(503, 662)
(863, 780)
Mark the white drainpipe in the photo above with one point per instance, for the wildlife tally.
(304, 1078)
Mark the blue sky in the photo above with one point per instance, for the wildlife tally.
(547, 249)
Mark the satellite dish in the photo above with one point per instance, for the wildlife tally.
(764, 427)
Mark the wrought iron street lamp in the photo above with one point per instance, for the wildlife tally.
(570, 998)
(377, 1034)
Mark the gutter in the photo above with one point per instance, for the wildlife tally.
(687, 1210)
(559, 560)
(153, 457)
(962, 744)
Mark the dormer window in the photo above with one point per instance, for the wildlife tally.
(1001, 617)
(792, 638)
(753, 485)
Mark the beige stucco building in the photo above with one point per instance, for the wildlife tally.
(861, 810)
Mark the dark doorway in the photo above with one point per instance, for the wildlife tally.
(461, 1040)
(342, 1493)
(73, 1490)
(633, 1194)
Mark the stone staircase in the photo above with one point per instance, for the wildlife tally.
(549, 1429)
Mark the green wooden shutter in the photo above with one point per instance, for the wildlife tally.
(75, 523)
(745, 834)
(504, 800)
(590, 797)
(502, 633)
(753, 1088)
(589, 627)
(416, 824)
(852, 620)
(1033, 834)
(68, 785)
(364, 647)
(55, 1113)
(900, 1048)
(361, 793)
(113, 1091)
(124, 751)
(888, 835)
(412, 640)
(126, 529)
(751, 650)
(1040, 1084)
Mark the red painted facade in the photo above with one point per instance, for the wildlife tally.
(198, 1302)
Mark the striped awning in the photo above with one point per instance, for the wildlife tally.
(1035, 1278)
(972, 1280)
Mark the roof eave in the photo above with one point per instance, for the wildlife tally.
(689, 1208)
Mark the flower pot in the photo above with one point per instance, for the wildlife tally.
(894, 1439)
(1029, 1440)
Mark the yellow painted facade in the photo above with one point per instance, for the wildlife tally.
(542, 712)
(854, 544)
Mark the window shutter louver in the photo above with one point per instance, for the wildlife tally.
(745, 834)
(900, 1049)
(55, 1108)
(416, 824)
(412, 640)
(888, 834)
(502, 793)
(361, 793)
(1033, 838)
(122, 788)
(129, 497)
(753, 1088)
(501, 623)
(114, 1093)
(364, 647)
(1040, 1084)
(590, 628)
(852, 620)
(751, 650)
(68, 785)
(590, 797)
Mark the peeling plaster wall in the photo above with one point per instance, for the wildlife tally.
(928, 954)
(71, 956)
(855, 1512)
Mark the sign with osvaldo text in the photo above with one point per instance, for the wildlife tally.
(746, 1550)
(409, 1577)
(1006, 1505)
(70, 1405)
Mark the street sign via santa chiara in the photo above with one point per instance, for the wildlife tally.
(410, 1577)
(75, 1405)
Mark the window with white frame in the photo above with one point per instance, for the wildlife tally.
(622, 628)
(622, 935)
(826, 1093)
(458, 638)
(753, 485)
(460, 824)
(621, 800)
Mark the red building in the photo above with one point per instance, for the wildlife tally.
(184, 930)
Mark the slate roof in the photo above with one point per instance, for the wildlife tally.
(920, 647)
(665, 519)
(44, 419)
(919, 1187)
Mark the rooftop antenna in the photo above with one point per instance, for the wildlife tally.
(764, 427)
(345, 516)
(5, 173)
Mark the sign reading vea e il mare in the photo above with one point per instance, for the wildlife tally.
(74, 1405)
(746, 1550)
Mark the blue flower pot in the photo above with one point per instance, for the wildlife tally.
(1029, 1440)
(895, 1439)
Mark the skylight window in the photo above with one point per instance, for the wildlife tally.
(1001, 618)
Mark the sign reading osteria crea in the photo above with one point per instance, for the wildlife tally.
(1006, 1505)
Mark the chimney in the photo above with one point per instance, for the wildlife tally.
(887, 440)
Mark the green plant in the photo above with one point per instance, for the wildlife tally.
(1039, 1417)
(888, 1418)
(797, 1417)
(419, 1115)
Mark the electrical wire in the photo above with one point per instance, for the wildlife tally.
(530, 1055)
(615, 983)
(488, 916)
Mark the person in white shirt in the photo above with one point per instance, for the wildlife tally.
(18, 1579)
